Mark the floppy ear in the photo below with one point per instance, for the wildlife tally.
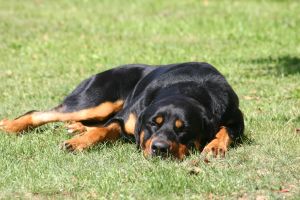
(208, 124)
(138, 128)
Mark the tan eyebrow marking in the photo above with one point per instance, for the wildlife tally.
(178, 123)
(159, 120)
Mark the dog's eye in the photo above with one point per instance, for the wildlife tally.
(179, 129)
(152, 123)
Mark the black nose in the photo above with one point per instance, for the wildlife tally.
(160, 147)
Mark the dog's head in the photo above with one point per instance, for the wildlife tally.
(171, 126)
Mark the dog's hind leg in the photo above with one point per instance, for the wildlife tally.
(96, 98)
(34, 119)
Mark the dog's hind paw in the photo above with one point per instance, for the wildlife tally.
(3, 124)
(75, 128)
(7, 126)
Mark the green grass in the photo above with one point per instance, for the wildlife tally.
(47, 47)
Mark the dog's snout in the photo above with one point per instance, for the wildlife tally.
(160, 147)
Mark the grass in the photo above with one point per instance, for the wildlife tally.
(47, 47)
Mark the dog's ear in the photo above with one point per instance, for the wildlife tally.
(138, 128)
(207, 125)
(207, 122)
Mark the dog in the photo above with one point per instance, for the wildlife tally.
(168, 110)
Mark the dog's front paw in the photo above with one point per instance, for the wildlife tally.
(215, 148)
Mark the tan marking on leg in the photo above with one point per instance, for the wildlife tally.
(220, 144)
(130, 124)
(76, 128)
(17, 125)
(93, 136)
(100, 113)
(35, 119)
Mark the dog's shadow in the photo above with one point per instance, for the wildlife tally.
(245, 139)
(284, 65)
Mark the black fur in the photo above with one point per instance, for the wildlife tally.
(194, 92)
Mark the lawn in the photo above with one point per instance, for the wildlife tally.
(47, 47)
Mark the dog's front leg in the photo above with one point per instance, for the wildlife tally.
(93, 136)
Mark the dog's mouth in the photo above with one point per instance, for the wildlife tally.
(155, 147)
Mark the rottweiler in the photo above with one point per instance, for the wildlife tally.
(166, 109)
